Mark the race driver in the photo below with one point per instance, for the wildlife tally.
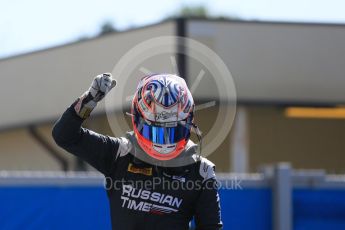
(176, 186)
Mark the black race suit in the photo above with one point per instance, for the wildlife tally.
(143, 196)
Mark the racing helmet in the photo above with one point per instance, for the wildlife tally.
(162, 115)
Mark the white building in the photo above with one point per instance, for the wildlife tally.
(276, 67)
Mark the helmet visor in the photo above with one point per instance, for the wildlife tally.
(162, 134)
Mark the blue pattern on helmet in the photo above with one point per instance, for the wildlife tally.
(164, 90)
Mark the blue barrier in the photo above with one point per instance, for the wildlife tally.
(246, 209)
(318, 209)
(53, 208)
(86, 207)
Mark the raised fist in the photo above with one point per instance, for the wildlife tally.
(100, 86)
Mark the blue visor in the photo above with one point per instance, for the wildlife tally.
(162, 133)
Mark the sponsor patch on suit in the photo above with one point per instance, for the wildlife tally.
(133, 169)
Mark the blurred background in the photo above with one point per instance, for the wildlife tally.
(287, 144)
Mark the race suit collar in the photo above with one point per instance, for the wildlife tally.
(188, 156)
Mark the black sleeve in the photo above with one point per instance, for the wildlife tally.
(98, 150)
(207, 214)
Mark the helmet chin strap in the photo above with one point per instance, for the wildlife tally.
(199, 136)
(129, 114)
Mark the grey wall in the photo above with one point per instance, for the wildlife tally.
(40, 85)
(278, 62)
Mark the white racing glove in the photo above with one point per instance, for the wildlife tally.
(100, 86)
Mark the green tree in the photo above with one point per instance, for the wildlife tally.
(193, 11)
(199, 12)
(106, 28)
